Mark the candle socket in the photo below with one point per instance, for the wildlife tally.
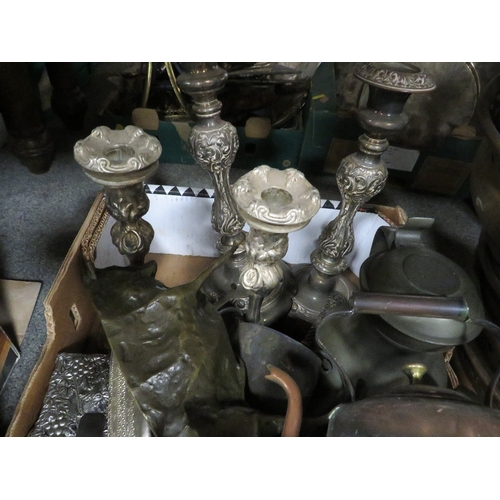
(360, 176)
(120, 161)
(273, 203)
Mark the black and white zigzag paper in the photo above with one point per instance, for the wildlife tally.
(182, 221)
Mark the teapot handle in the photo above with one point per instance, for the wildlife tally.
(411, 305)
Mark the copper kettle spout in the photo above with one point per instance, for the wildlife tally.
(293, 417)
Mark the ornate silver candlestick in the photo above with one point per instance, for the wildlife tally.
(213, 143)
(360, 176)
(121, 160)
(274, 203)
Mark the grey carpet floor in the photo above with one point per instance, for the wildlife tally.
(41, 215)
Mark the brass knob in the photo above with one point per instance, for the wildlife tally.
(415, 372)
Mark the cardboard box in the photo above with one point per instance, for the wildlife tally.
(72, 321)
(73, 324)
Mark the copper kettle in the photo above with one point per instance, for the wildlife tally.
(415, 410)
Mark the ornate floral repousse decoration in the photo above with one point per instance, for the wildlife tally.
(360, 176)
(214, 149)
(357, 184)
(275, 198)
(395, 76)
(131, 234)
(78, 385)
(213, 143)
(274, 203)
(261, 272)
(117, 151)
(121, 160)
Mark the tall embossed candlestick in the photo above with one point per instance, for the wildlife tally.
(213, 143)
(121, 160)
(274, 203)
(360, 176)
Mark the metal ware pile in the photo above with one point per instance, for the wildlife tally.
(256, 347)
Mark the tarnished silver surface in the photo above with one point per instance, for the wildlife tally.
(404, 77)
(275, 200)
(314, 288)
(117, 151)
(273, 306)
(363, 174)
(360, 176)
(214, 149)
(125, 419)
(261, 272)
(433, 116)
(78, 385)
(274, 203)
(213, 143)
(131, 234)
(121, 160)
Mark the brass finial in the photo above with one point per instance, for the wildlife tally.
(415, 372)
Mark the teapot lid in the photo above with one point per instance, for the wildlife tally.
(417, 270)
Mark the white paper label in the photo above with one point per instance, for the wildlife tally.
(182, 226)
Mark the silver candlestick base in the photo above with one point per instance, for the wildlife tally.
(121, 160)
(273, 203)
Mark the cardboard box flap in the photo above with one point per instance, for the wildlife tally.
(70, 317)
